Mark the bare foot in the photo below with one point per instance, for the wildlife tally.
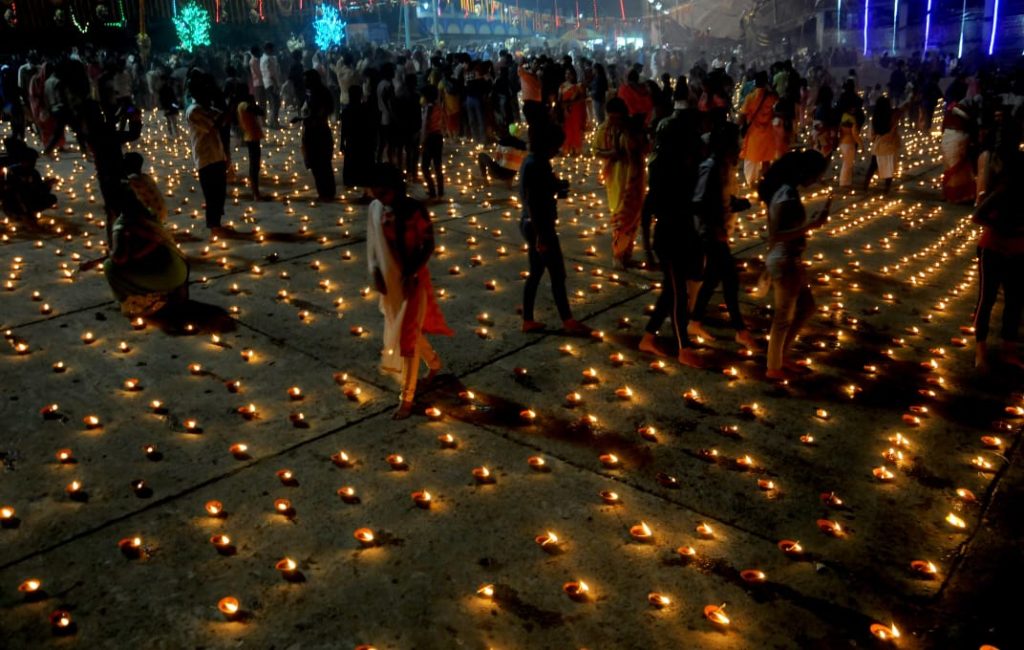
(689, 357)
(649, 345)
(747, 340)
(694, 328)
(403, 411)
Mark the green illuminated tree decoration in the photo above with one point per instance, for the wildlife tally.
(193, 26)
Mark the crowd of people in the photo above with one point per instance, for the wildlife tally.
(675, 147)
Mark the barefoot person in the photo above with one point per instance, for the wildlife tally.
(788, 225)
(538, 189)
(399, 242)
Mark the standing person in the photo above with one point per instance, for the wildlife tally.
(849, 141)
(317, 139)
(204, 123)
(788, 225)
(40, 109)
(13, 109)
(619, 143)
(256, 77)
(673, 171)
(755, 119)
(1001, 248)
(357, 141)
(885, 143)
(270, 72)
(167, 97)
(347, 76)
(573, 99)
(432, 142)
(713, 202)
(636, 96)
(249, 114)
(538, 189)
(399, 243)
(599, 92)
(387, 136)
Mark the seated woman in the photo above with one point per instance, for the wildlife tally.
(145, 269)
(24, 191)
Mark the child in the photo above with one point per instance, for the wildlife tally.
(249, 113)
(144, 187)
(432, 142)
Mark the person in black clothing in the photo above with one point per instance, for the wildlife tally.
(317, 139)
(24, 191)
(713, 207)
(358, 140)
(671, 175)
(538, 188)
(297, 79)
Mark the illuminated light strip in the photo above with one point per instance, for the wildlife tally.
(839, 22)
(867, 5)
(963, 22)
(895, 22)
(995, 26)
(928, 27)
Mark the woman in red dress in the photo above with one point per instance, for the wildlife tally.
(573, 99)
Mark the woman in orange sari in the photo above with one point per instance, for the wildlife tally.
(573, 99)
(759, 142)
(399, 243)
(619, 141)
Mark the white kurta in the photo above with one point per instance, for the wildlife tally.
(392, 305)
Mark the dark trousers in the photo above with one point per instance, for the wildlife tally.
(213, 179)
(433, 148)
(255, 153)
(672, 301)
(17, 117)
(323, 177)
(549, 260)
(64, 119)
(720, 267)
(999, 270)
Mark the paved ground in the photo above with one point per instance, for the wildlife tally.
(894, 282)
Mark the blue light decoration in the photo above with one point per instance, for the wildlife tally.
(995, 26)
(192, 24)
(927, 27)
(867, 6)
(963, 23)
(329, 27)
(895, 22)
(839, 22)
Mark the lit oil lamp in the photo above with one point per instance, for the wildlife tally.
(88, 338)
(624, 393)
(765, 484)
(966, 495)
(195, 368)
(295, 393)
(924, 568)
(982, 464)
(590, 376)
(658, 366)
(75, 491)
(831, 528)
(955, 521)
(609, 461)
(642, 532)
(397, 462)
(229, 607)
(286, 476)
(433, 413)
(617, 359)
(91, 422)
(992, 442)
(750, 410)
(686, 553)
(348, 494)
(191, 425)
(537, 463)
(132, 384)
(342, 459)
(61, 622)
(745, 462)
(648, 433)
(573, 399)
(693, 396)
(485, 591)
(753, 576)
(658, 600)
(288, 568)
(883, 474)
(59, 367)
(7, 516)
(884, 633)
(483, 476)
(65, 456)
(731, 372)
(528, 415)
(577, 590)
(705, 530)
(131, 547)
(157, 407)
(447, 441)
(284, 507)
(610, 498)
(716, 614)
(365, 537)
(31, 588)
(422, 499)
(710, 455)
(247, 354)
(239, 450)
(822, 414)
(549, 542)
(233, 386)
(791, 547)
(831, 499)
(223, 544)
(214, 508)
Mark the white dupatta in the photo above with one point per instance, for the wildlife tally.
(392, 305)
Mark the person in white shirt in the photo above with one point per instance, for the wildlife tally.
(271, 73)
(347, 77)
(204, 124)
(256, 77)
